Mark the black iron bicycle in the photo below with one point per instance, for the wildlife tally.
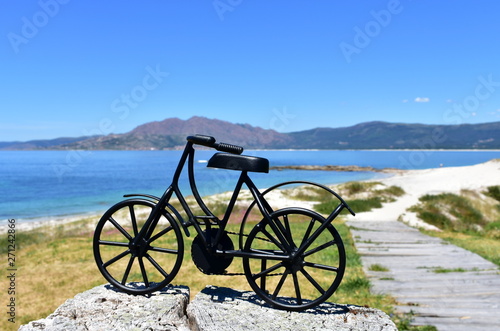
(293, 257)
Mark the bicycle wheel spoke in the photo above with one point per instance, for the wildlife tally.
(312, 238)
(312, 281)
(267, 271)
(288, 231)
(156, 265)
(116, 258)
(127, 271)
(143, 272)
(321, 266)
(164, 250)
(297, 288)
(120, 228)
(113, 243)
(263, 266)
(308, 231)
(320, 248)
(161, 233)
(280, 284)
(133, 219)
(273, 240)
(283, 236)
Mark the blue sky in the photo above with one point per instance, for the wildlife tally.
(73, 68)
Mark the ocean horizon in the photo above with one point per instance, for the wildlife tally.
(56, 184)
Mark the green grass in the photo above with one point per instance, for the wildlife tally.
(494, 192)
(378, 267)
(467, 220)
(451, 212)
(403, 322)
(371, 197)
(459, 213)
(352, 188)
(441, 270)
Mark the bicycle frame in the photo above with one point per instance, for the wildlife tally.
(162, 203)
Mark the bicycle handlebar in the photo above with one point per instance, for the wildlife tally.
(209, 141)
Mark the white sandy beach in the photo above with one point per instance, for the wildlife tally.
(415, 183)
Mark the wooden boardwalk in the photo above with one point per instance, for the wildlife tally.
(465, 297)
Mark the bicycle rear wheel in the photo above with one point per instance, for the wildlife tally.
(294, 270)
(143, 267)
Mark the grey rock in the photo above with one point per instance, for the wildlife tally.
(104, 308)
(219, 308)
(214, 308)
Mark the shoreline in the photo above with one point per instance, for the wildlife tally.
(415, 183)
(349, 168)
(50, 221)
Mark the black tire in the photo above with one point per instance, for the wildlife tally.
(143, 268)
(284, 277)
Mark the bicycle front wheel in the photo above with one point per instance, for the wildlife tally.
(137, 267)
(297, 264)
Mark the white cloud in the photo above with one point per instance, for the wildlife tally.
(421, 99)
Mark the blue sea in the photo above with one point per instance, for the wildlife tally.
(41, 184)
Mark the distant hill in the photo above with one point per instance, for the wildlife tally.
(40, 144)
(382, 135)
(171, 134)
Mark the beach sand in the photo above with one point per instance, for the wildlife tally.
(415, 183)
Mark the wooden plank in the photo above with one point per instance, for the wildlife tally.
(466, 297)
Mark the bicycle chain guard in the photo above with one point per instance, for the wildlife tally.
(211, 264)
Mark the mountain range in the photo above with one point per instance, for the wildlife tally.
(171, 134)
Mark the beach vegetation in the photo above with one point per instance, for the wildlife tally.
(357, 205)
(378, 267)
(441, 270)
(362, 196)
(494, 192)
(307, 193)
(352, 188)
(404, 323)
(470, 220)
(468, 212)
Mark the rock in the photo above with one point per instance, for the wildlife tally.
(214, 308)
(104, 308)
(347, 168)
(219, 308)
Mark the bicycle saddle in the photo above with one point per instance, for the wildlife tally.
(239, 162)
